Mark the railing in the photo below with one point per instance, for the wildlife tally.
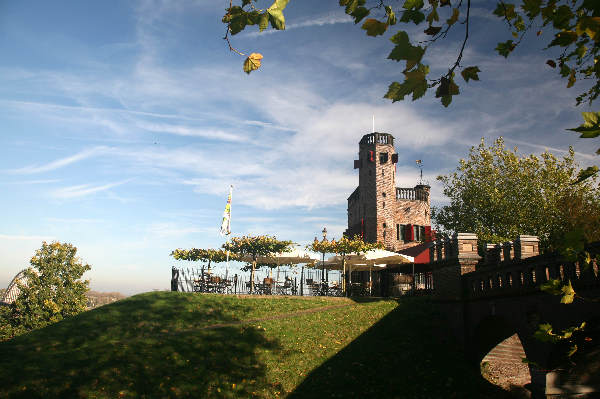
(308, 284)
(521, 277)
(411, 194)
(377, 138)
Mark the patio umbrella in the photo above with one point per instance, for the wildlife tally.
(296, 255)
(366, 261)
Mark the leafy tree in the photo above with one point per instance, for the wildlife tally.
(53, 291)
(575, 25)
(498, 194)
(347, 246)
(255, 246)
(205, 255)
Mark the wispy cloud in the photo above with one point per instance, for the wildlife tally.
(83, 190)
(329, 19)
(194, 132)
(74, 220)
(42, 181)
(59, 163)
(24, 237)
(167, 229)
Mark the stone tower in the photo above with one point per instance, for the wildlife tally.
(377, 209)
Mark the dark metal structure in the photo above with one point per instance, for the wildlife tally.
(13, 290)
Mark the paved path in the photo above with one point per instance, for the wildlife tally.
(276, 317)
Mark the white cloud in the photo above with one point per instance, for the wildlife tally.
(329, 19)
(24, 237)
(193, 132)
(41, 181)
(60, 163)
(83, 190)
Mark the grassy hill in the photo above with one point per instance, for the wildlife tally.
(168, 344)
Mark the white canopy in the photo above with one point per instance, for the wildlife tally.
(375, 257)
(295, 256)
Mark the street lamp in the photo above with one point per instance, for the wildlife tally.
(323, 264)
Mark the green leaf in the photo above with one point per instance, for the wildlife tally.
(551, 63)
(350, 5)
(446, 90)
(544, 333)
(391, 16)
(432, 30)
(374, 27)
(359, 14)
(532, 7)
(504, 10)
(415, 83)
(405, 51)
(470, 73)
(263, 22)
(572, 351)
(586, 173)
(411, 15)
(276, 16)
(454, 17)
(504, 49)
(591, 125)
(252, 63)
(590, 26)
(413, 4)
(568, 293)
(562, 17)
(281, 4)
(563, 39)
(444, 3)
(552, 287)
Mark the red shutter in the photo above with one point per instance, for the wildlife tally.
(371, 156)
(409, 234)
(362, 228)
(428, 235)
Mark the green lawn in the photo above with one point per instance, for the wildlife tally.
(157, 345)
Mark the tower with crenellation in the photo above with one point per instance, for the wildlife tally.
(377, 209)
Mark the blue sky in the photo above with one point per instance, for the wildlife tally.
(123, 124)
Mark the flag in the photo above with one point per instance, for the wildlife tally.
(226, 223)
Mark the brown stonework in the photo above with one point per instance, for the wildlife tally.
(377, 207)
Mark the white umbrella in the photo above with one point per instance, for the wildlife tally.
(365, 261)
(297, 255)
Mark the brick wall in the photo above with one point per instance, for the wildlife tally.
(373, 207)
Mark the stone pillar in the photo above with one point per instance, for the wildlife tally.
(466, 244)
(508, 251)
(526, 247)
(492, 254)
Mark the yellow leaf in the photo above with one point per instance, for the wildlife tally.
(252, 63)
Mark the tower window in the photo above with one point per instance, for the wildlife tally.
(384, 204)
(383, 157)
(383, 194)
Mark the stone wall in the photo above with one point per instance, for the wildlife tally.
(374, 207)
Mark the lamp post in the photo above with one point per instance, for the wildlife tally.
(323, 264)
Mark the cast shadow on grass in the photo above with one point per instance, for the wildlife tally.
(406, 354)
(139, 347)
